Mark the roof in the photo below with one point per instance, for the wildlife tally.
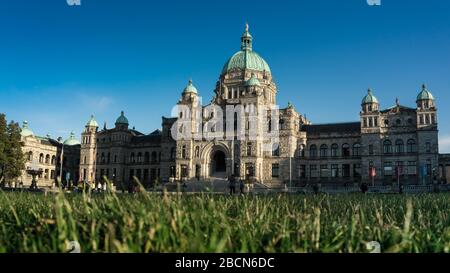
(190, 88)
(347, 127)
(92, 122)
(25, 130)
(122, 119)
(72, 141)
(400, 107)
(369, 98)
(425, 94)
(154, 137)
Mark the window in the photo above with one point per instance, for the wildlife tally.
(147, 157)
(41, 158)
(302, 171)
(386, 122)
(313, 171)
(47, 159)
(30, 156)
(375, 121)
(411, 146)
(313, 151)
(302, 150)
(388, 170)
(132, 159)
(282, 124)
(370, 122)
(365, 122)
(346, 170)
(276, 149)
(356, 170)
(172, 171)
(428, 147)
(345, 150)
(197, 151)
(433, 119)
(399, 122)
(334, 170)
(249, 149)
(334, 150)
(54, 160)
(370, 149)
(387, 147)
(323, 150)
(421, 119)
(183, 153)
(399, 146)
(139, 157)
(275, 170)
(184, 170)
(323, 171)
(356, 149)
(412, 168)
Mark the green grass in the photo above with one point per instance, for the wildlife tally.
(150, 222)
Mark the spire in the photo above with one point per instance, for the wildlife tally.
(369, 91)
(397, 102)
(246, 39)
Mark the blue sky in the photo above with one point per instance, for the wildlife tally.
(60, 63)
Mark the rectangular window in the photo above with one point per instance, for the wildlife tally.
(412, 168)
(184, 171)
(324, 171)
(346, 170)
(302, 171)
(365, 122)
(334, 170)
(356, 170)
(388, 170)
(370, 122)
(375, 122)
(275, 170)
(313, 171)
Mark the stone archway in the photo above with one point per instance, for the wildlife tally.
(218, 162)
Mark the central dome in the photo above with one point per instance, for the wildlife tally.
(246, 58)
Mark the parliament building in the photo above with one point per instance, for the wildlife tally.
(382, 146)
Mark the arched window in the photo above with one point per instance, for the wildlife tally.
(249, 149)
(411, 146)
(132, 159)
(282, 124)
(387, 147)
(139, 157)
(41, 158)
(183, 152)
(147, 157)
(302, 150)
(334, 150)
(154, 156)
(323, 150)
(54, 160)
(313, 151)
(356, 149)
(399, 146)
(47, 159)
(276, 149)
(345, 150)
(30, 156)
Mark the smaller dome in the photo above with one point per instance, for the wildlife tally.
(253, 81)
(369, 98)
(190, 88)
(425, 94)
(72, 141)
(122, 119)
(92, 122)
(25, 131)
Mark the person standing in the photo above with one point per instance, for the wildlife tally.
(241, 186)
(232, 185)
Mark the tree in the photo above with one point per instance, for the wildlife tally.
(15, 159)
(3, 145)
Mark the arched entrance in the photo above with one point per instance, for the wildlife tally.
(218, 163)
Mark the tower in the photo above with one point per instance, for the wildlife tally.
(88, 151)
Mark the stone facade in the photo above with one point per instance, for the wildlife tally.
(395, 143)
(44, 153)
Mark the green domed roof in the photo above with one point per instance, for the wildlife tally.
(72, 141)
(246, 58)
(190, 88)
(369, 98)
(425, 94)
(92, 122)
(122, 119)
(25, 131)
(253, 81)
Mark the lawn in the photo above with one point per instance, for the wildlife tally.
(150, 222)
